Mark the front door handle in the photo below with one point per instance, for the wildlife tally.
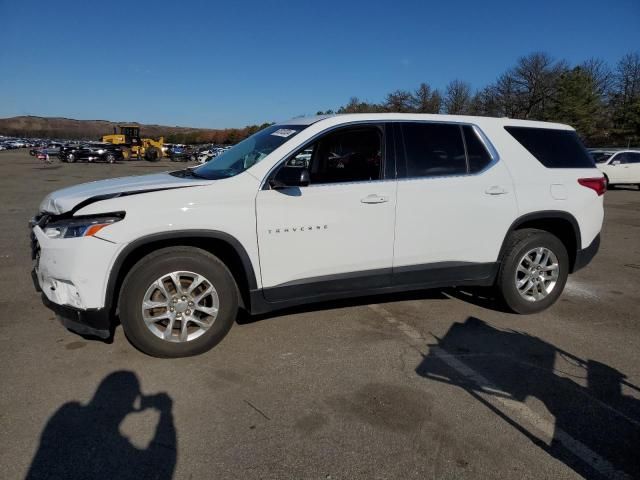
(374, 198)
(496, 190)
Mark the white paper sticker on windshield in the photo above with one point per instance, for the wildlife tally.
(283, 132)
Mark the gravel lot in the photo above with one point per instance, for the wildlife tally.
(435, 384)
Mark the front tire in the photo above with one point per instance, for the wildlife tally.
(152, 154)
(178, 302)
(110, 158)
(533, 271)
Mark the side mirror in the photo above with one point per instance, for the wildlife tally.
(615, 162)
(290, 177)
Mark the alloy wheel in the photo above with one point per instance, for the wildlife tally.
(537, 274)
(180, 306)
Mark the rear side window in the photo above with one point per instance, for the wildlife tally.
(478, 156)
(553, 148)
(433, 150)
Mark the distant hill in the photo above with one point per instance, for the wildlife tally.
(68, 128)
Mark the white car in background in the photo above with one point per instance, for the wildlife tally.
(205, 156)
(622, 168)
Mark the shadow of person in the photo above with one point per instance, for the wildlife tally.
(596, 427)
(84, 441)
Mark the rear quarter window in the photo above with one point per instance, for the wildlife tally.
(553, 148)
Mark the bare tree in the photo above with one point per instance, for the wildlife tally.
(602, 103)
(533, 83)
(627, 77)
(625, 98)
(457, 100)
(355, 105)
(399, 101)
(600, 74)
(486, 103)
(426, 100)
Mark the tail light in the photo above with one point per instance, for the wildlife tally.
(598, 185)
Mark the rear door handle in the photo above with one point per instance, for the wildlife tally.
(374, 198)
(496, 190)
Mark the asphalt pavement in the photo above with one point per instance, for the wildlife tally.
(438, 384)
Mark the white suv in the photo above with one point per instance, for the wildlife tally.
(321, 208)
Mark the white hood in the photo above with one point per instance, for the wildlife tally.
(62, 201)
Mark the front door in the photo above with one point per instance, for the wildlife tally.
(335, 235)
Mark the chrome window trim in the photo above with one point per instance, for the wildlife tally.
(486, 143)
(360, 182)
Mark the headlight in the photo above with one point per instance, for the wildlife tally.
(79, 227)
(101, 151)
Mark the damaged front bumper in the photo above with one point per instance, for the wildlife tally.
(89, 323)
(71, 275)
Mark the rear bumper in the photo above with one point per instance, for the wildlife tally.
(584, 256)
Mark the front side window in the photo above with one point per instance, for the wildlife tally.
(351, 154)
(248, 152)
(620, 158)
(433, 150)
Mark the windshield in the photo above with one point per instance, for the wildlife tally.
(248, 152)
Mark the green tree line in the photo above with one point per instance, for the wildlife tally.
(600, 101)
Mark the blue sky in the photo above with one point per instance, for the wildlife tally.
(229, 64)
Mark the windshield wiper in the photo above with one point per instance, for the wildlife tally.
(187, 172)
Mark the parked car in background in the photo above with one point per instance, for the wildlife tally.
(94, 152)
(53, 149)
(621, 168)
(205, 155)
(178, 153)
(510, 204)
(69, 153)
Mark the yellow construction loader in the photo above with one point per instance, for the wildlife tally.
(135, 147)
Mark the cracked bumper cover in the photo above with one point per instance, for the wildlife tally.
(71, 274)
(91, 323)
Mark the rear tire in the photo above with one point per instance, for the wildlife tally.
(607, 185)
(204, 331)
(527, 286)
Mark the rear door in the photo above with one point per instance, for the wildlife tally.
(630, 167)
(336, 235)
(455, 203)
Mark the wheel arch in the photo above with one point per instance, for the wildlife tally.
(559, 223)
(226, 247)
